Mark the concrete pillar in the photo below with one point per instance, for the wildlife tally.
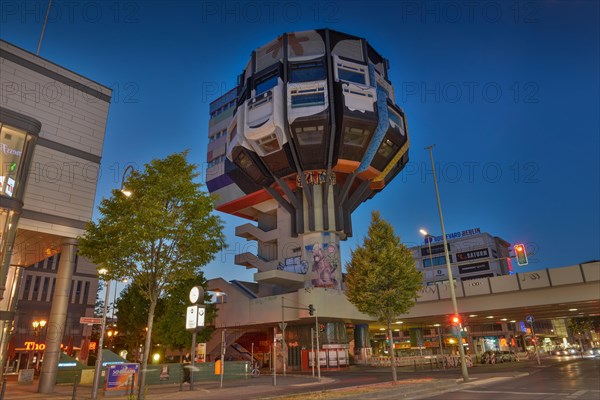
(58, 316)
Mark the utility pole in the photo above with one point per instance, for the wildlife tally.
(461, 350)
(283, 335)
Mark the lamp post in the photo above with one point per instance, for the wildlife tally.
(37, 328)
(461, 350)
(428, 237)
(98, 367)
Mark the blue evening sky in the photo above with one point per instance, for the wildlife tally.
(507, 90)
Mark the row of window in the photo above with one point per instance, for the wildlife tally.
(44, 284)
(224, 108)
(219, 135)
(311, 71)
(216, 161)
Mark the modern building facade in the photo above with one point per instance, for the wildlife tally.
(473, 254)
(53, 122)
(311, 131)
(35, 294)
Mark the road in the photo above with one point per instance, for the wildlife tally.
(572, 380)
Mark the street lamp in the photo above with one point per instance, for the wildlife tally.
(428, 237)
(111, 334)
(461, 350)
(98, 368)
(38, 326)
(125, 191)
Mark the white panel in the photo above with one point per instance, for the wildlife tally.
(506, 283)
(565, 275)
(475, 287)
(534, 279)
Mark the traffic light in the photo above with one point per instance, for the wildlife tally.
(455, 320)
(521, 254)
(311, 309)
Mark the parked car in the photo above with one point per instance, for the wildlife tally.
(595, 351)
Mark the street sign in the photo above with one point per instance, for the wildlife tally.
(194, 317)
(529, 319)
(191, 317)
(282, 325)
(201, 314)
(90, 320)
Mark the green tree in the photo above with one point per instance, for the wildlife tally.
(381, 278)
(164, 232)
(132, 315)
(170, 324)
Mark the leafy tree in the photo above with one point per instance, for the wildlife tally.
(162, 233)
(381, 278)
(132, 314)
(170, 324)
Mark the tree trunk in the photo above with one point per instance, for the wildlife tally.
(147, 344)
(391, 351)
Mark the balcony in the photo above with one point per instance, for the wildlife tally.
(279, 277)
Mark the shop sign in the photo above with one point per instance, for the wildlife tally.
(472, 255)
(35, 346)
(475, 267)
(454, 235)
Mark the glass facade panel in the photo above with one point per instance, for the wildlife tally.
(311, 99)
(351, 76)
(265, 84)
(12, 142)
(307, 72)
(355, 136)
(310, 135)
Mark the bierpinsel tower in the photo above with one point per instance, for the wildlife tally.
(311, 131)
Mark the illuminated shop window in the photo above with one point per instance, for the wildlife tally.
(12, 142)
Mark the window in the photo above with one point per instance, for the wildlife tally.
(36, 288)
(268, 144)
(355, 136)
(351, 74)
(45, 288)
(308, 71)
(86, 292)
(387, 148)
(27, 287)
(310, 135)
(78, 292)
(436, 261)
(244, 162)
(306, 98)
(266, 82)
(396, 120)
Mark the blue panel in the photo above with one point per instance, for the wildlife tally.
(382, 125)
(218, 183)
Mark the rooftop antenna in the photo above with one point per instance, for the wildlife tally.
(37, 53)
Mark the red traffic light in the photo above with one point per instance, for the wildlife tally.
(455, 319)
(521, 254)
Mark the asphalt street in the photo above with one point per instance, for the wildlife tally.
(573, 379)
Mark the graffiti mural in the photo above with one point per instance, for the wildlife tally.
(295, 265)
(325, 264)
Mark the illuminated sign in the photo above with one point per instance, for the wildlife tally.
(472, 255)
(35, 346)
(453, 235)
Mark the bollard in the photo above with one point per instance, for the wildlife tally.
(131, 378)
(3, 389)
(75, 384)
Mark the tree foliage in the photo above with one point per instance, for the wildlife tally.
(132, 315)
(381, 278)
(170, 324)
(161, 234)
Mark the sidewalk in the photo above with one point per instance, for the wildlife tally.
(411, 384)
